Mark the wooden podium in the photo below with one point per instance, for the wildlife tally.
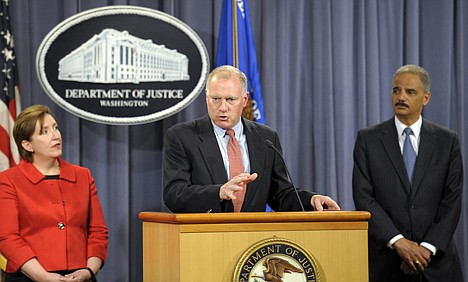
(208, 246)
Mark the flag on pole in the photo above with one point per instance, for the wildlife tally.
(9, 92)
(236, 48)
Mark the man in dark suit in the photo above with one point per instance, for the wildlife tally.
(413, 214)
(196, 163)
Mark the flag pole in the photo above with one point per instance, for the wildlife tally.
(235, 31)
(235, 40)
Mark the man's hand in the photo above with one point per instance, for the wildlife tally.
(415, 257)
(229, 189)
(319, 203)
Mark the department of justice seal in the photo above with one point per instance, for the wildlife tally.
(122, 65)
(278, 259)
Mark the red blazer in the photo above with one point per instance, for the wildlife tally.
(59, 222)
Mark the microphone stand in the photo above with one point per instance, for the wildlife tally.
(269, 144)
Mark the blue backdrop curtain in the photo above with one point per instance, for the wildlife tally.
(326, 68)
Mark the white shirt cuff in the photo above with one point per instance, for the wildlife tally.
(430, 247)
(393, 240)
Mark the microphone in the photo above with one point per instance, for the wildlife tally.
(269, 144)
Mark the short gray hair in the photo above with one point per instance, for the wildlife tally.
(417, 70)
(225, 72)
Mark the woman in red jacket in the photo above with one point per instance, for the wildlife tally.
(52, 228)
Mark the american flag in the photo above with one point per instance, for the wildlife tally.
(9, 92)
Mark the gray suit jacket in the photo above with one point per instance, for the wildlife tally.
(194, 170)
(427, 210)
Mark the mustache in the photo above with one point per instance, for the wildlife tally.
(397, 104)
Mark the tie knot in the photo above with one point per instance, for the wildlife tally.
(408, 131)
(230, 132)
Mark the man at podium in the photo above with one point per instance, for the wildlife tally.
(223, 162)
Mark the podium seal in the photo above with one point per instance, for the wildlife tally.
(277, 259)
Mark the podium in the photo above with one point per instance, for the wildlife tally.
(208, 246)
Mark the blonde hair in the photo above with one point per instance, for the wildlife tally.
(226, 72)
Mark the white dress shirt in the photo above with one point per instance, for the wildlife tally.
(223, 140)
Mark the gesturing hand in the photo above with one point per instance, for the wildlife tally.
(237, 183)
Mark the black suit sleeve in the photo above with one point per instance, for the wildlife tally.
(449, 166)
(364, 193)
(180, 193)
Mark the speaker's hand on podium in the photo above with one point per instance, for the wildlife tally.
(320, 203)
(237, 183)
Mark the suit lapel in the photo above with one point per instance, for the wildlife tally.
(256, 147)
(214, 160)
(209, 149)
(390, 143)
(426, 146)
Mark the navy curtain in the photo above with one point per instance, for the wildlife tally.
(326, 69)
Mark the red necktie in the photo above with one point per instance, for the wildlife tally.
(235, 167)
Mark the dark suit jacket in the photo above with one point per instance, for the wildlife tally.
(426, 211)
(194, 170)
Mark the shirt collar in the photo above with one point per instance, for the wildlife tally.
(415, 127)
(238, 130)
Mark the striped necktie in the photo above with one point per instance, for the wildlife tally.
(235, 167)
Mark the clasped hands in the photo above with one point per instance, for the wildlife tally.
(81, 275)
(239, 182)
(415, 257)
